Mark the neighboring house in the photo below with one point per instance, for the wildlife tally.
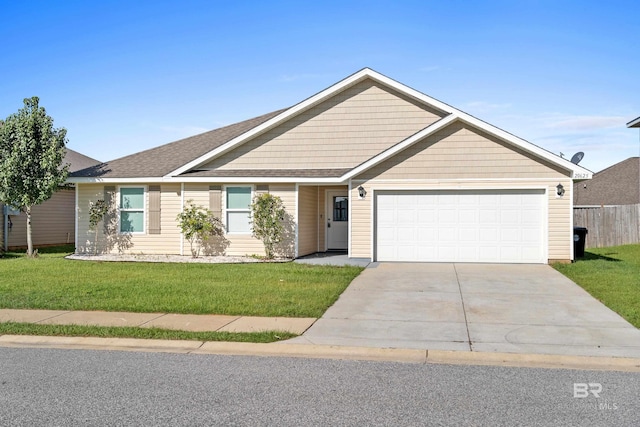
(368, 166)
(616, 185)
(53, 222)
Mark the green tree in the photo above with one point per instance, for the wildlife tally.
(267, 213)
(97, 212)
(31, 155)
(198, 225)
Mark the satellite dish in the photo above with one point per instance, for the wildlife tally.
(577, 157)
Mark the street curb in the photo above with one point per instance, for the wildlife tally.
(282, 349)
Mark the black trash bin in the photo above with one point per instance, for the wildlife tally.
(579, 238)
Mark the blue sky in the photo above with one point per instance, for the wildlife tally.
(127, 76)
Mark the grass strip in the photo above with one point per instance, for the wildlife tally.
(612, 276)
(14, 328)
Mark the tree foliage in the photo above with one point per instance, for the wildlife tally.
(268, 215)
(198, 225)
(31, 156)
(97, 212)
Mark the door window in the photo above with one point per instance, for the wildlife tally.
(340, 208)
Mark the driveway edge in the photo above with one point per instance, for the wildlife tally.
(282, 349)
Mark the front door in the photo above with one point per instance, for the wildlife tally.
(337, 220)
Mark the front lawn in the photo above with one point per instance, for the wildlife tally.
(260, 289)
(611, 275)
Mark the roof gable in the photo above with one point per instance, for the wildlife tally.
(308, 103)
(184, 159)
(450, 112)
(342, 132)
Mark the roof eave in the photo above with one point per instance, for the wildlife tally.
(635, 123)
(220, 179)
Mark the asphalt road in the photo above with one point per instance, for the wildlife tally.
(80, 387)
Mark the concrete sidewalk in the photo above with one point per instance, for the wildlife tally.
(182, 322)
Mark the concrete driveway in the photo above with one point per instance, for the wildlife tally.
(473, 307)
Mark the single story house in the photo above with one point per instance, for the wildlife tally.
(618, 184)
(52, 222)
(368, 166)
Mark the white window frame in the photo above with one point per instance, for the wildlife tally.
(144, 209)
(227, 209)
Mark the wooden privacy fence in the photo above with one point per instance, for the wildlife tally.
(609, 225)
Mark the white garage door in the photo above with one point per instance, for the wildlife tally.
(460, 226)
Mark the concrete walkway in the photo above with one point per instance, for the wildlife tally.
(499, 308)
(183, 322)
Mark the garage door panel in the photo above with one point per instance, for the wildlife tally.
(460, 226)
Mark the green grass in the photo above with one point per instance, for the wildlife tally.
(11, 328)
(260, 289)
(611, 275)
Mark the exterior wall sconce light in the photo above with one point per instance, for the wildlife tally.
(560, 190)
(362, 192)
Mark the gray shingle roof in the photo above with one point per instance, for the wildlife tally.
(78, 161)
(159, 161)
(616, 185)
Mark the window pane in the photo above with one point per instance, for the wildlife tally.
(131, 222)
(238, 222)
(238, 197)
(132, 198)
(340, 208)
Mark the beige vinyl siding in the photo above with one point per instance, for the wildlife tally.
(560, 218)
(245, 244)
(308, 225)
(167, 242)
(342, 132)
(458, 152)
(460, 157)
(361, 223)
(52, 222)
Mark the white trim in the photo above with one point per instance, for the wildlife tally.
(297, 222)
(181, 210)
(318, 218)
(571, 251)
(307, 181)
(634, 123)
(350, 217)
(454, 180)
(432, 128)
(576, 171)
(76, 218)
(87, 180)
(145, 209)
(217, 180)
(225, 210)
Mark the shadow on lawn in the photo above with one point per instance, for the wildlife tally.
(20, 253)
(590, 256)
